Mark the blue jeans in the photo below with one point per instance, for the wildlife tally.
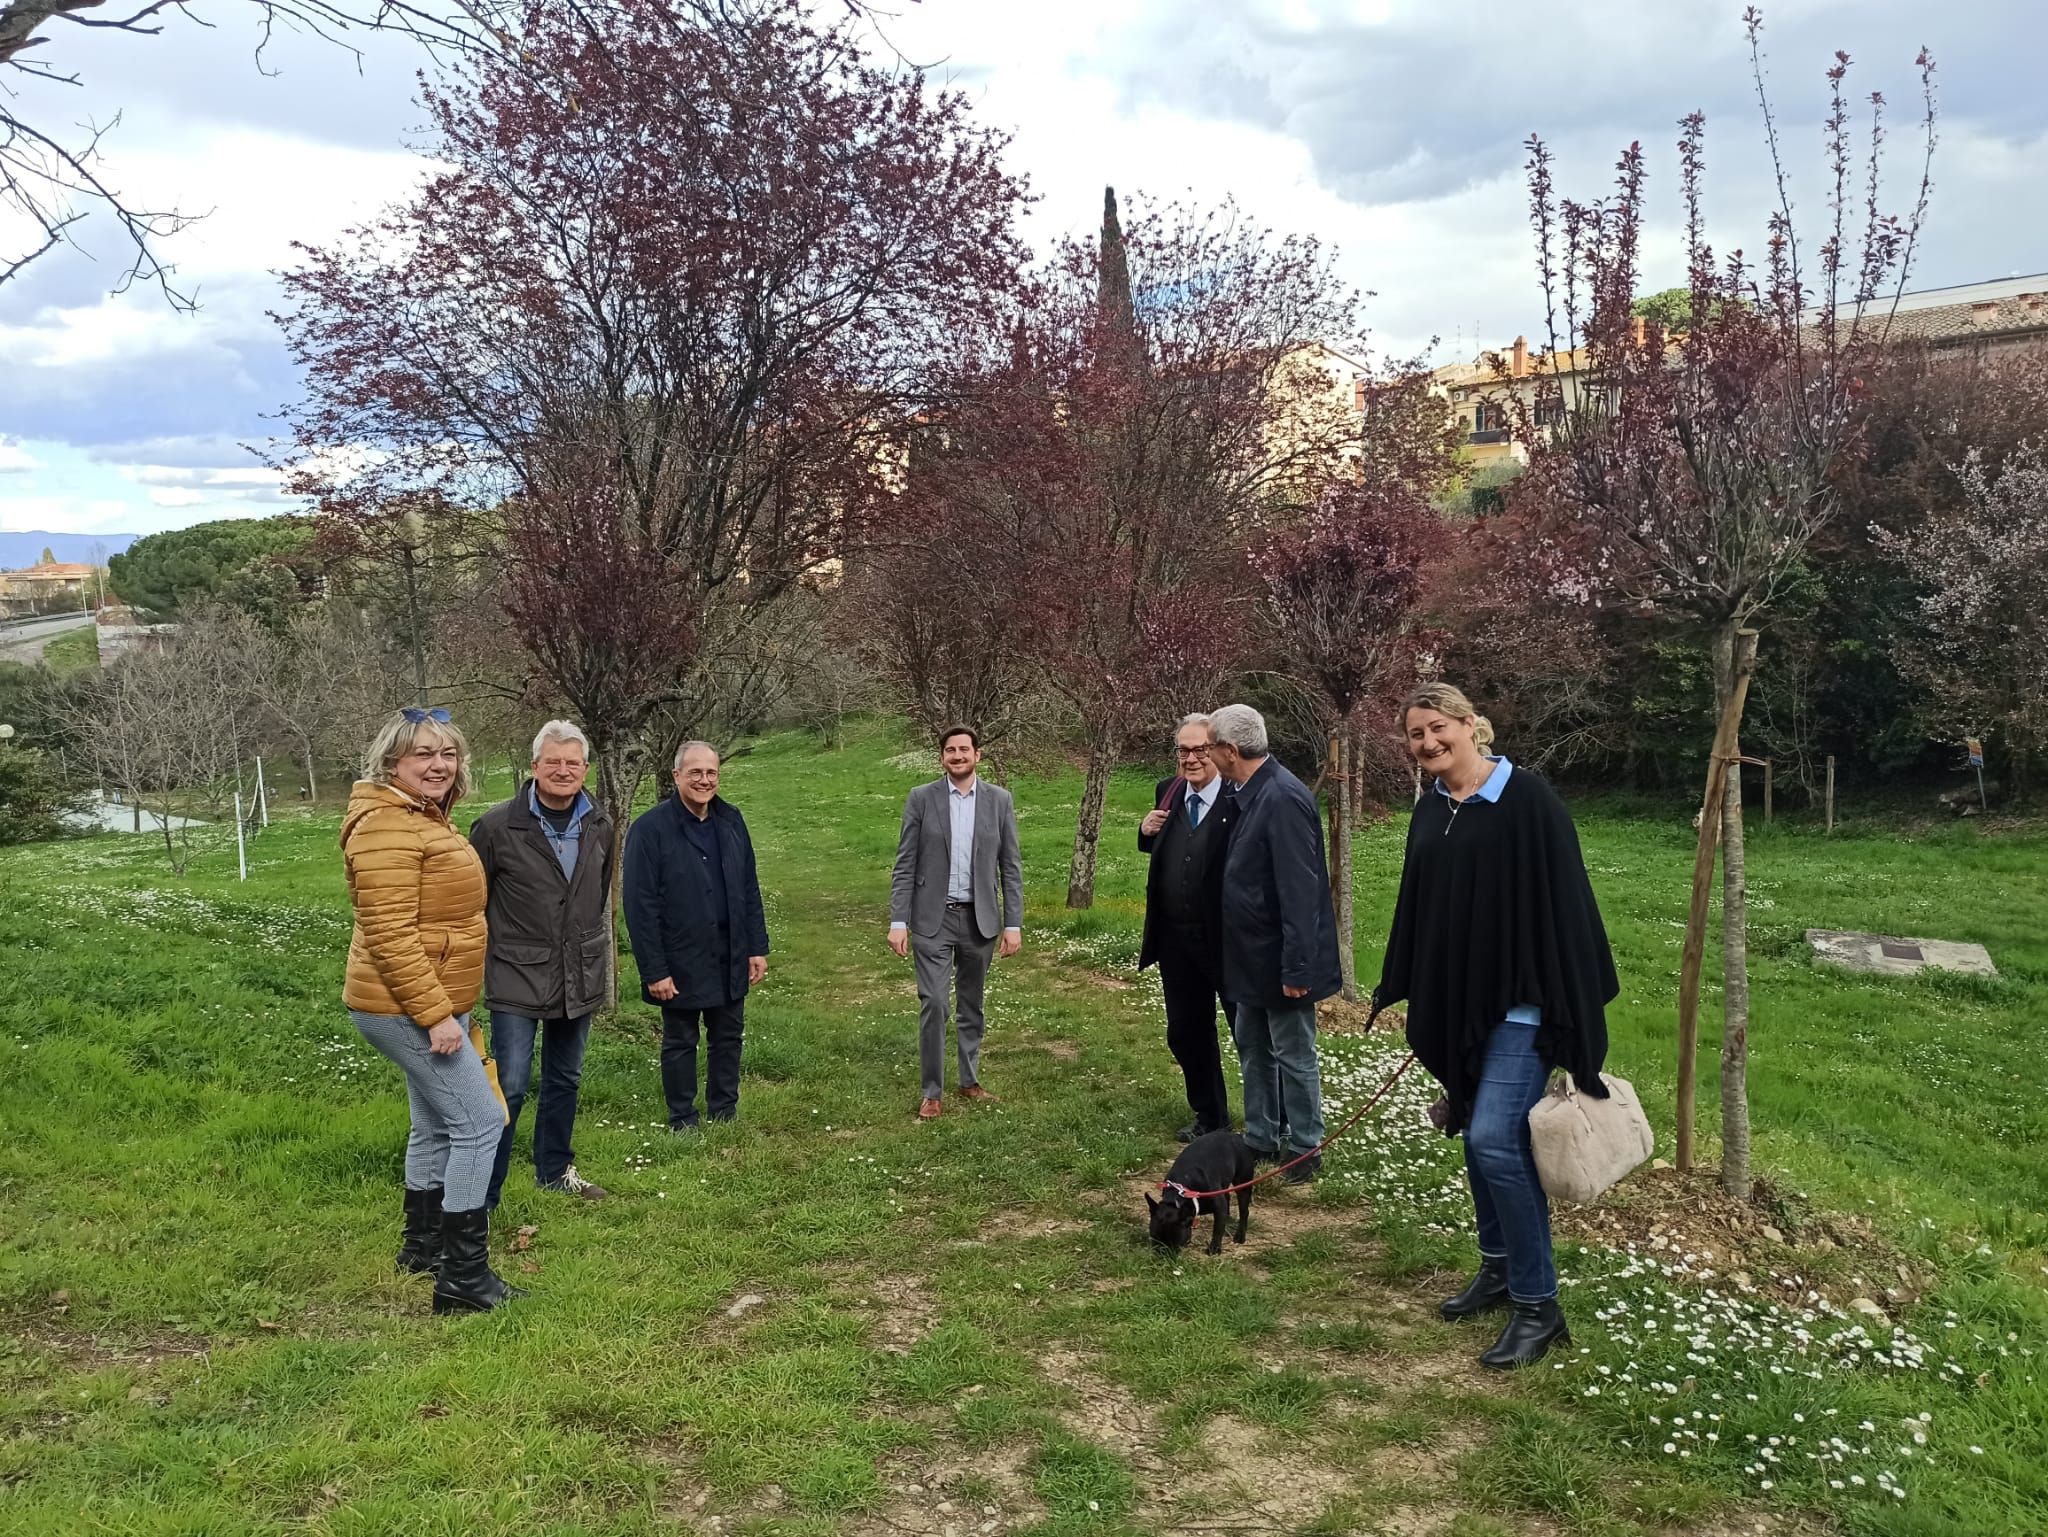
(562, 1042)
(455, 1116)
(1283, 1079)
(1514, 1214)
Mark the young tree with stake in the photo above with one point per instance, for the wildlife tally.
(1708, 460)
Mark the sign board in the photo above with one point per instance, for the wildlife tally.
(1976, 749)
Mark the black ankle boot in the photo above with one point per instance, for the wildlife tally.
(1532, 1329)
(1487, 1290)
(466, 1283)
(419, 1251)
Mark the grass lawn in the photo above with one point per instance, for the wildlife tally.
(74, 650)
(828, 1318)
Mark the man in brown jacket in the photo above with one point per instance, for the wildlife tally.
(547, 853)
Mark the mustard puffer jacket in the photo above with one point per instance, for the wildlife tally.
(418, 891)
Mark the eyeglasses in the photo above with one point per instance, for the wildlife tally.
(418, 717)
(1195, 752)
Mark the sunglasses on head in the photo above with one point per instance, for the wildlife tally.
(418, 716)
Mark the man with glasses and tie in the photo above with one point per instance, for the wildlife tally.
(1186, 834)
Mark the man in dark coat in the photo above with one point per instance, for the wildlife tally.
(1186, 834)
(700, 936)
(1279, 941)
(547, 854)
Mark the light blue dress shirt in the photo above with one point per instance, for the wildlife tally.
(1521, 1013)
(960, 872)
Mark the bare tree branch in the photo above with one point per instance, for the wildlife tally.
(49, 174)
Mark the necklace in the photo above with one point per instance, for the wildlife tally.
(1458, 804)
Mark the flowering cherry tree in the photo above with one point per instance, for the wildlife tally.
(1983, 565)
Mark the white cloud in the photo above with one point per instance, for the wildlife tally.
(63, 515)
(175, 496)
(235, 480)
(15, 460)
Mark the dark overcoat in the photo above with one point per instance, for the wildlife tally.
(681, 927)
(1279, 928)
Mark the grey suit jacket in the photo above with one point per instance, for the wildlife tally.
(924, 855)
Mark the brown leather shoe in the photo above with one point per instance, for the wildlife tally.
(929, 1109)
(976, 1091)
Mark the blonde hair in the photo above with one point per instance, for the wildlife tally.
(399, 735)
(1449, 699)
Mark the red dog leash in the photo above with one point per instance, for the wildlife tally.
(1357, 1115)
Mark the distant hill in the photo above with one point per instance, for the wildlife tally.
(25, 549)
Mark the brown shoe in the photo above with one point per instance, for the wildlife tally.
(976, 1091)
(929, 1109)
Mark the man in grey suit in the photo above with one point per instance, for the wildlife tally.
(947, 906)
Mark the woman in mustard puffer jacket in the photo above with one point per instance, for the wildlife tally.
(415, 964)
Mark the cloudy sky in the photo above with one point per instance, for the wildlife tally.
(1392, 129)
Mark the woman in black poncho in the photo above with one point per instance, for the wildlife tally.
(1498, 949)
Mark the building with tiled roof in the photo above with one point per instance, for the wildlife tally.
(1980, 320)
(1993, 319)
(48, 587)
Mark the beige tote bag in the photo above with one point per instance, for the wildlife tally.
(1584, 1145)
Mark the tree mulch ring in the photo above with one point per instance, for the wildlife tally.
(1343, 1016)
(1775, 1238)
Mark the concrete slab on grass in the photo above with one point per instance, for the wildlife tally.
(1888, 955)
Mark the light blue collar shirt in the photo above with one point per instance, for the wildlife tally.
(568, 843)
(960, 874)
(1206, 795)
(1496, 782)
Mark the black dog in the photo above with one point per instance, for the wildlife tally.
(1211, 1162)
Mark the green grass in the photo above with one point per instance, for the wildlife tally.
(73, 651)
(198, 1204)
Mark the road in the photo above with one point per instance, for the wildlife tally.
(22, 640)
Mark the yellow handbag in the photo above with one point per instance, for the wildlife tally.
(476, 1039)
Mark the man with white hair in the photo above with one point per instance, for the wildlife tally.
(1279, 941)
(547, 854)
(699, 931)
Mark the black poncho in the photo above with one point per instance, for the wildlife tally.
(1496, 911)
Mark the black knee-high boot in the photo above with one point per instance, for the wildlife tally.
(419, 1251)
(466, 1283)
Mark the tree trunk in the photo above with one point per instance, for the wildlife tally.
(1088, 828)
(616, 782)
(312, 784)
(418, 635)
(1727, 735)
(1344, 750)
(1734, 654)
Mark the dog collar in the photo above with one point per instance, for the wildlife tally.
(1176, 1185)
